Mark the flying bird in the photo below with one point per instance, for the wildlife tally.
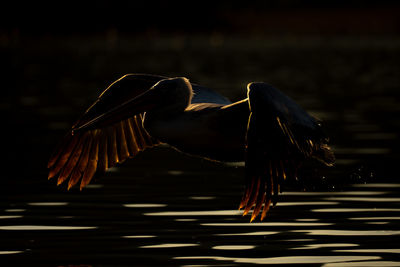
(267, 130)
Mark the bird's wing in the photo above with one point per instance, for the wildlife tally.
(280, 134)
(127, 87)
(93, 146)
(203, 94)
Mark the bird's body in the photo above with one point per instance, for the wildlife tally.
(267, 130)
(213, 131)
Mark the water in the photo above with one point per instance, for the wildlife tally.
(165, 208)
(185, 231)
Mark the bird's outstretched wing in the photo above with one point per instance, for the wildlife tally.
(280, 135)
(203, 94)
(96, 145)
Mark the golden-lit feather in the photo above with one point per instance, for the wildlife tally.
(267, 205)
(82, 163)
(138, 134)
(260, 198)
(148, 140)
(61, 150)
(96, 151)
(58, 160)
(92, 162)
(102, 164)
(130, 138)
(112, 146)
(73, 159)
(123, 152)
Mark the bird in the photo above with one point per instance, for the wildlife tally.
(267, 130)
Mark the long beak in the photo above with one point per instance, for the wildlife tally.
(139, 104)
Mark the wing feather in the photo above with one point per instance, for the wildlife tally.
(260, 199)
(65, 144)
(82, 154)
(112, 146)
(138, 134)
(146, 137)
(102, 164)
(98, 150)
(130, 138)
(81, 164)
(58, 160)
(92, 162)
(280, 135)
(127, 87)
(123, 153)
(73, 159)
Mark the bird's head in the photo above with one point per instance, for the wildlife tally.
(169, 96)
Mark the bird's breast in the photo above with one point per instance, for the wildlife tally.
(210, 134)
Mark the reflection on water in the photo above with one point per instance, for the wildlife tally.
(366, 199)
(288, 260)
(266, 224)
(307, 203)
(301, 240)
(349, 232)
(190, 230)
(345, 193)
(307, 220)
(377, 222)
(396, 251)
(196, 213)
(375, 218)
(44, 227)
(94, 186)
(332, 245)
(261, 233)
(202, 198)
(170, 245)
(14, 210)
(357, 210)
(145, 205)
(10, 252)
(186, 220)
(10, 217)
(363, 264)
(233, 247)
(139, 236)
(47, 203)
(377, 185)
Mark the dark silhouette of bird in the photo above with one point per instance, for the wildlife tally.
(267, 130)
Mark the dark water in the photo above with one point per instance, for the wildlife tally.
(164, 208)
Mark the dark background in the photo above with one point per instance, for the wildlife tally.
(58, 56)
(255, 17)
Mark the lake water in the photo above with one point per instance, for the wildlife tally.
(164, 208)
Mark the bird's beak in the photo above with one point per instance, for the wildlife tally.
(139, 104)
